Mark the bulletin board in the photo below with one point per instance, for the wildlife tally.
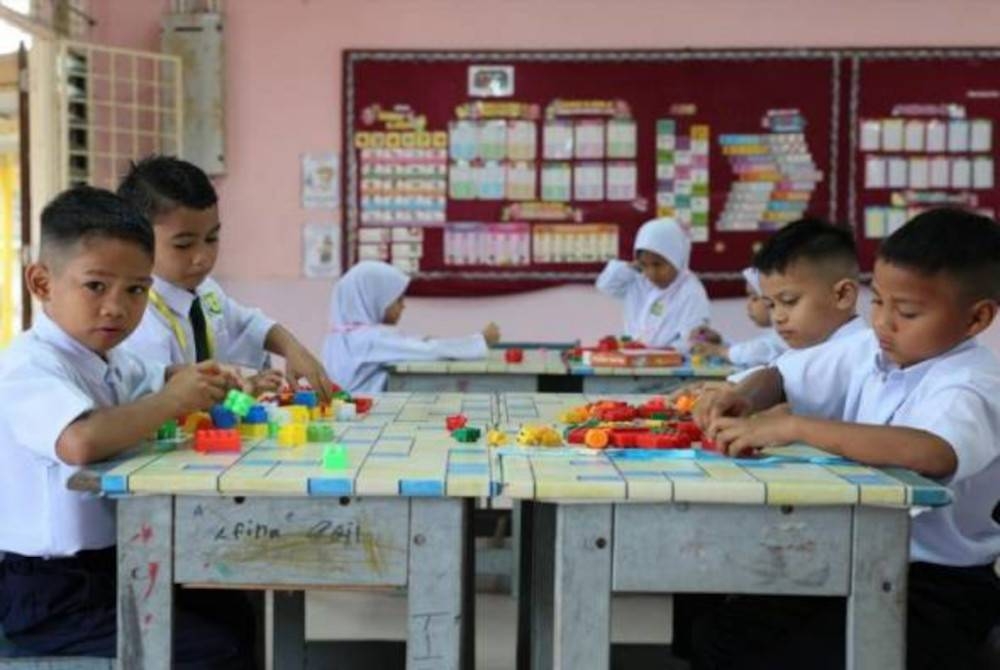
(923, 135)
(495, 172)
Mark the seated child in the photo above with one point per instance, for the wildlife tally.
(664, 301)
(189, 317)
(916, 391)
(72, 396)
(365, 307)
(759, 350)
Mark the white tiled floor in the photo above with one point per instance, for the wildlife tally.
(349, 615)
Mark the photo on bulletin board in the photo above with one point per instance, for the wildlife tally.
(321, 250)
(491, 81)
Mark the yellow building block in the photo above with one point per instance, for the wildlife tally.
(292, 435)
(253, 431)
(298, 413)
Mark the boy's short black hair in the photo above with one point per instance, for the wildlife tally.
(84, 213)
(813, 240)
(160, 184)
(957, 242)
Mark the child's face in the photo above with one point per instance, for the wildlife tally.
(656, 268)
(187, 244)
(806, 305)
(96, 291)
(917, 317)
(757, 308)
(394, 311)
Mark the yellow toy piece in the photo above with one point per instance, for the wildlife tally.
(495, 438)
(298, 413)
(539, 436)
(550, 437)
(685, 403)
(528, 435)
(253, 431)
(292, 435)
(195, 419)
(574, 415)
(595, 438)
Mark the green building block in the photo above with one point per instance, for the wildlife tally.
(319, 432)
(239, 403)
(335, 457)
(167, 431)
(467, 434)
(272, 429)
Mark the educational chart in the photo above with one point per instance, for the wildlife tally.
(925, 137)
(509, 171)
(522, 170)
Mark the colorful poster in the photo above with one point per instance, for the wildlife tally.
(574, 243)
(488, 244)
(321, 249)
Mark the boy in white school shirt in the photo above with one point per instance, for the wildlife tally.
(662, 299)
(917, 391)
(189, 317)
(70, 396)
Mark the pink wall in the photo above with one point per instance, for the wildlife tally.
(283, 99)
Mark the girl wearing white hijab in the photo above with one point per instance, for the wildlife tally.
(760, 350)
(364, 309)
(664, 301)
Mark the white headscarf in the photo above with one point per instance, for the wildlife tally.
(357, 308)
(667, 238)
(752, 277)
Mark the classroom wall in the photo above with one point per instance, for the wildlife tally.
(283, 83)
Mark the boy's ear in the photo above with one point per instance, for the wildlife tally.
(38, 279)
(845, 293)
(981, 315)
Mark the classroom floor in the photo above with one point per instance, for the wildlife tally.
(640, 631)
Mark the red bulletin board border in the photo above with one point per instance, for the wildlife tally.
(837, 197)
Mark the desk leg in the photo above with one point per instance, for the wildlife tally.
(289, 630)
(876, 606)
(145, 582)
(582, 613)
(439, 619)
(535, 598)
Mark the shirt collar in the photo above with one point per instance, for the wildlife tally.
(916, 372)
(176, 298)
(853, 325)
(83, 358)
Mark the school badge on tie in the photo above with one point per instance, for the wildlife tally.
(656, 309)
(211, 303)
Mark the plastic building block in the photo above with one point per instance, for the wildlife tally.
(167, 431)
(256, 414)
(455, 421)
(222, 418)
(272, 429)
(305, 398)
(238, 403)
(363, 405)
(335, 457)
(276, 414)
(596, 438)
(697, 360)
(319, 432)
(513, 355)
(496, 438)
(347, 411)
(690, 429)
(321, 411)
(467, 434)
(253, 431)
(539, 436)
(298, 414)
(197, 421)
(608, 343)
(550, 437)
(292, 435)
(215, 440)
(342, 395)
(685, 403)
(574, 415)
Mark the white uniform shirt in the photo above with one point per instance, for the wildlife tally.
(855, 325)
(237, 333)
(955, 396)
(657, 317)
(760, 350)
(47, 381)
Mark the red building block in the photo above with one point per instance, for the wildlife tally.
(212, 441)
(455, 422)
(513, 355)
(363, 405)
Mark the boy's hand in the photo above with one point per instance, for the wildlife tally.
(300, 363)
(196, 387)
(491, 333)
(737, 436)
(266, 381)
(705, 334)
(714, 404)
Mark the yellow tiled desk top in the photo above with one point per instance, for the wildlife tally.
(401, 448)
